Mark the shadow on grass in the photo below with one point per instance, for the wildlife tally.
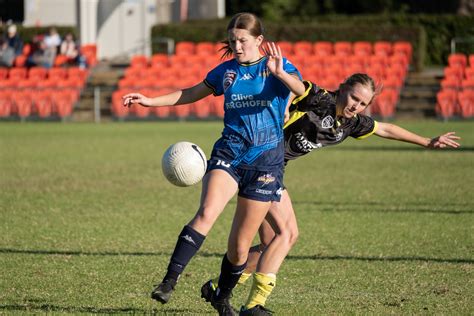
(371, 207)
(396, 148)
(95, 310)
(219, 255)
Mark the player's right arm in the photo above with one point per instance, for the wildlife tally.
(184, 96)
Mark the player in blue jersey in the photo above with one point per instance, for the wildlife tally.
(248, 158)
(318, 119)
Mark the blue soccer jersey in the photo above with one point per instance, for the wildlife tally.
(254, 105)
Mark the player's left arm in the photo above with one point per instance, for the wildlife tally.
(395, 132)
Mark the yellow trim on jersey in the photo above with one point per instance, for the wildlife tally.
(252, 63)
(368, 134)
(296, 115)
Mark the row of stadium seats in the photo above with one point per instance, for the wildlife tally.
(39, 92)
(47, 103)
(456, 97)
(40, 77)
(451, 103)
(306, 48)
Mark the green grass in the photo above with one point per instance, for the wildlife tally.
(88, 223)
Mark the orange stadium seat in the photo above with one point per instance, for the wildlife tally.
(217, 106)
(202, 108)
(469, 72)
(5, 103)
(139, 61)
(57, 73)
(323, 48)
(303, 48)
(37, 73)
(382, 48)
(286, 48)
(450, 83)
(467, 84)
(343, 48)
(182, 111)
(17, 73)
(42, 104)
(466, 103)
(22, 104)
(454, 72)
(159, 60)
(457, 59)
(381, 60)
(205, 48)
(446, 103)
(20, 61)
(185, 48)
(403, 47)
(60, 60)
(77, 72)
(399, 59)
(386, 103)
(3, 73)
(362, 48)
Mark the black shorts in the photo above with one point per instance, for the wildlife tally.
(264, 186)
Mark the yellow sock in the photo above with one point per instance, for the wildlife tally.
(262, 287)
(244, 277)
(241, 281)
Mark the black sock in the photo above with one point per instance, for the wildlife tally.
(230, 275)
(189, 242)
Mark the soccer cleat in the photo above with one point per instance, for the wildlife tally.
(221, 305)
(162, 292)
(256, 310)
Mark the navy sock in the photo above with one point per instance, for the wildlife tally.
(230, 275)
(189, 242)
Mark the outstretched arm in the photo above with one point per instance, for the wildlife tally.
(391, 131)
(178, 97)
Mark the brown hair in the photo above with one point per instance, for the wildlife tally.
(244, 21)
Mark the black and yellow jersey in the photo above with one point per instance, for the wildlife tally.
(313, 123)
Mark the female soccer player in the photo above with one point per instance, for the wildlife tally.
(248, 157)
(317, 119)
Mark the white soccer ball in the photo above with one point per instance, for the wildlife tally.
(184, 164)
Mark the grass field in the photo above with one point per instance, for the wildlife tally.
(88, 223)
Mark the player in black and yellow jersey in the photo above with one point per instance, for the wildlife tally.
(317, 119)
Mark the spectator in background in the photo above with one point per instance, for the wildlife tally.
(14, 41)
(7, 54)
(70, 49)
(40, 55)
(52, 41)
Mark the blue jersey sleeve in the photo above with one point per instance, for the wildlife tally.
(214, 80)
(290, 68)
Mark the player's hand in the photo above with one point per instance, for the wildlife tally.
(136, 98)
(275, 58)
(444, 141)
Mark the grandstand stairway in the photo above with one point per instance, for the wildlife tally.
(418, 96)
(105, 77)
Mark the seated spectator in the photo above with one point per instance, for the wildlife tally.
(52, 41)
(14, 41)
(7, 54)
(41, 55)
(69, 49)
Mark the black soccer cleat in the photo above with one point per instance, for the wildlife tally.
(162, 292)
(221, 305)
(256, 310)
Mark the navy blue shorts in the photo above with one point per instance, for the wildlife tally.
(264, 186)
